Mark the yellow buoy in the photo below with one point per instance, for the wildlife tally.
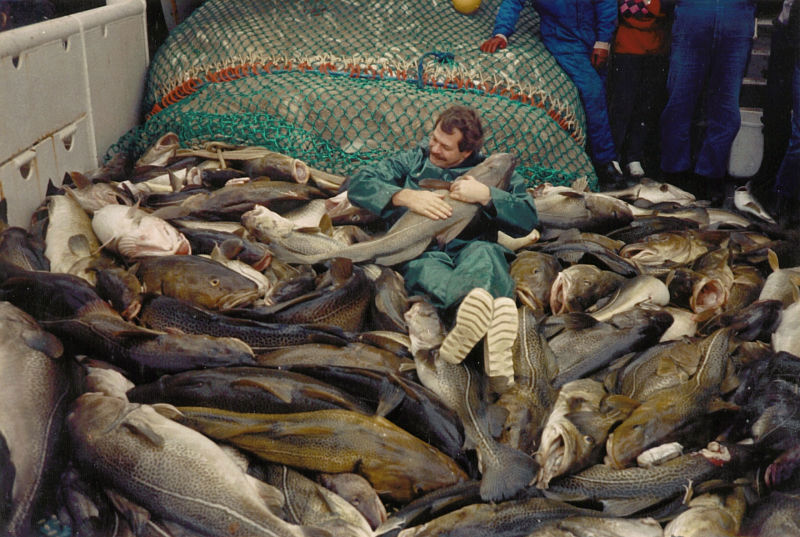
(466, 6)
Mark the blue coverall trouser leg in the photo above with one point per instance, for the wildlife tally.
(592, 90)
(711, 42)
(787, 182)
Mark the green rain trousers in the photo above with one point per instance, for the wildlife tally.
(472, 260)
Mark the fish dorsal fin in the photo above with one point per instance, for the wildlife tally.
(79, 180)
(326, 224)
(281, 390)
(230, 248)
(772, 258)
(140, 427)
(391, 395)
(167, 410)
(341, 270)
(571, 194)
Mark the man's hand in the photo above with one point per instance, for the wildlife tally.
(494, 43)
(599, 58)
(424, 202)
(470, 190)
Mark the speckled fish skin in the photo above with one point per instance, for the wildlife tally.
(311, 504)
(505, 519)
(399, 465)
(359, 493)
(533, 274)
(646, 485)
(245, 389)
(666, 410)
(169, 469)
(505, 470)
(165, 313)
(33, 396)
(144, 353)
(199, 280)
(532, 396)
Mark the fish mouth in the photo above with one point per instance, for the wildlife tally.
(708, 296)
(235, 300)
(559, 296)
(529, 298)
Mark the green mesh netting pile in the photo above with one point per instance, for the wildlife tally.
(342, 83)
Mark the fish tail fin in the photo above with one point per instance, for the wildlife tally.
(512, 471)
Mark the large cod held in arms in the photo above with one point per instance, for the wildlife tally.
(406, 239)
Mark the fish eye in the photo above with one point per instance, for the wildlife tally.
(588, 439)
(215, 282)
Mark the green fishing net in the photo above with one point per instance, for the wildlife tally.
(343, 83)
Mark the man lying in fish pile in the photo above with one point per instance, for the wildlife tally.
(235, 377)
(464, 268)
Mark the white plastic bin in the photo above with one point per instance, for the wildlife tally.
(70, 87)
(748, 146)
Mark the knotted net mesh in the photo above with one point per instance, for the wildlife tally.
(342, 83)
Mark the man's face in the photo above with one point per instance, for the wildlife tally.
(444, 151)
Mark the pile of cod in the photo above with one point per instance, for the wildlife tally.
(214, 342)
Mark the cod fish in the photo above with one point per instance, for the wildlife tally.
(278, 167)
(246, 389)
(586, 345)
(505, 470)
(133, 232)
(196, 279)
(667, 410)
(506, 519)
(397, 464)
(166, 313)
(633, 292)
(343, 303)
(707, 283)
(203, 241)
(311, 504)
(630, 490)
(533, 274)
(231, 202)
(357, 492)
(404, 402)
(661, 252)
(21, 249)
(531, 397)
(710, 515)
(567, 444)
(121, 288)
(579, 286)
(71, 244)
(142, 352)
(653, 192)
(406, 239)
(776, 515)
(583, 526)
(172, 471)
(786, 337)
(566, 207)
(34, 390)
